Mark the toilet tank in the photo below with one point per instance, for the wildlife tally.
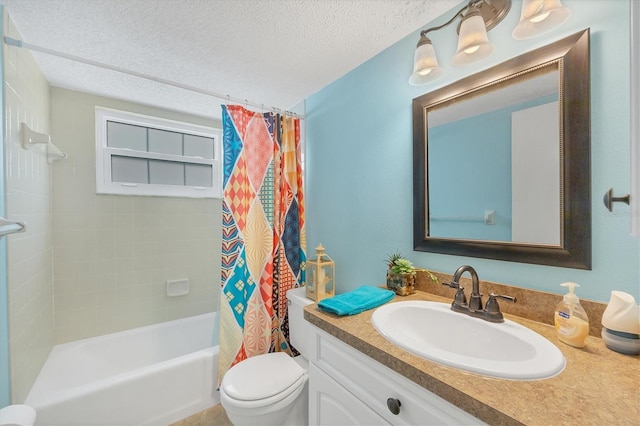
(297, 324)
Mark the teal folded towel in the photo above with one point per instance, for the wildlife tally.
(355, 301)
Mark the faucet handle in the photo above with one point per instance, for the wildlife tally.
(453, 284)
(502, 296)
(493, 309)
(460, 299)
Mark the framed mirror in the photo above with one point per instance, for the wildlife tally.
(502, 160)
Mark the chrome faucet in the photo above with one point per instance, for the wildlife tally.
(491, 312)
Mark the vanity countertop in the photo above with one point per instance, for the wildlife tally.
(597, 387)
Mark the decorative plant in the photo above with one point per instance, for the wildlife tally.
(399, 265)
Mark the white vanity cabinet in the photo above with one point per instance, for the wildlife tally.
(348, 387)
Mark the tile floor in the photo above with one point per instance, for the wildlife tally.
(214, 416)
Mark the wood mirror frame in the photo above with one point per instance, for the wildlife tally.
(572, 57)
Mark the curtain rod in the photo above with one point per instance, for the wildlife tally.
(21, 44)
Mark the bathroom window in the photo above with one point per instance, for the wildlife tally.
(142, 155)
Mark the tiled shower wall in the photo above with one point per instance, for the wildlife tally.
(113, 254)
(28, 199)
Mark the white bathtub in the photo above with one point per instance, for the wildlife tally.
(152, 375)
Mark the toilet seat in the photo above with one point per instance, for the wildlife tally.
(263, 380)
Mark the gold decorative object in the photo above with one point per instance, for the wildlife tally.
(321, 276)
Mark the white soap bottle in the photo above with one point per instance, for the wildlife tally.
(572, 324)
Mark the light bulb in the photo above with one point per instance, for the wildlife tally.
(472, 49)
(539, 18)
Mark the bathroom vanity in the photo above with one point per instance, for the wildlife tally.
(358, 377)
(348, 387)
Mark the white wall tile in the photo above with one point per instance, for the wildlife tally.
(28, 198)
(111, 254)
(114, 254)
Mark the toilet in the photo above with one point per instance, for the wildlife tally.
(272, 389)
(17, 415)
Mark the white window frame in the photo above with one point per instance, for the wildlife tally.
(104, 185)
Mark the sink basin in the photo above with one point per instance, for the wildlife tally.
(433, 331)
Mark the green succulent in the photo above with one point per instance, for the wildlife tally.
(402, 266)
(399, 265)
(393, 258)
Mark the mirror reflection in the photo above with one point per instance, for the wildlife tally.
(494, 162)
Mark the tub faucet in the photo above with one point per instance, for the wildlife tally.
(474, 307)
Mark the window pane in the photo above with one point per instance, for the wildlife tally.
(166, 172)
(198, 175)
(198, 146)
(165, 142)
(126, 136)
(127, 169)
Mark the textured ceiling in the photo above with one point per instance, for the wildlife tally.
(271, 52)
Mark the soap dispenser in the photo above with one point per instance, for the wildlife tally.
(572, 324)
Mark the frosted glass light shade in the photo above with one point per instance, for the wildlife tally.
(425, 63)
(473, 43)
(539, 16)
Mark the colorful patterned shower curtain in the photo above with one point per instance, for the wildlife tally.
(263, 232)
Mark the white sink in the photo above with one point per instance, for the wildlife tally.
(433, 331)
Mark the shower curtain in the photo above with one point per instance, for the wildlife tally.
(263, 232)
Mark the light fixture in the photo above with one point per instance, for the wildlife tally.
(476, 18)
(540, 16)
(425, 63)
(473, 42)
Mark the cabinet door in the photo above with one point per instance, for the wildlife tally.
(332, 405)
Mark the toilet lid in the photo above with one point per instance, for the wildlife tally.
(261, 376)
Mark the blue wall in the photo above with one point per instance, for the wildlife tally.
(359, 158)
